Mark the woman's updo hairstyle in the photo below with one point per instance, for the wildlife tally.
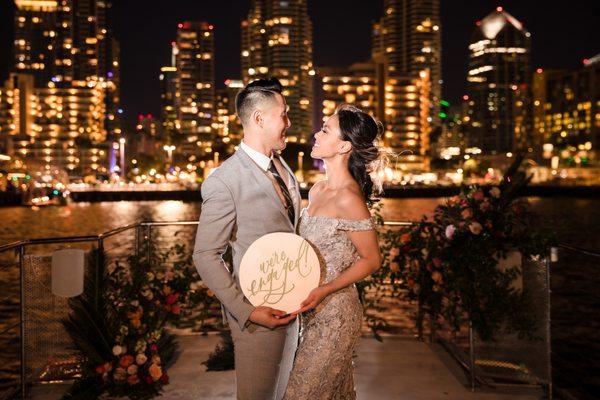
(362, 131)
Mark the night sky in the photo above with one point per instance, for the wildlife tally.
(562, 36)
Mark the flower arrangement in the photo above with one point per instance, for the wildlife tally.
(122, 335)
(450, 264)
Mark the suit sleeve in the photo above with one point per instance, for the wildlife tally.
(217, 220)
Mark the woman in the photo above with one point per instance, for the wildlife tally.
(337, 223)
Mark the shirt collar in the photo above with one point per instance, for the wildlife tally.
(256, 156)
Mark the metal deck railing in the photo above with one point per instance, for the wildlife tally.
(31, 311)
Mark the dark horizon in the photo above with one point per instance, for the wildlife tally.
(561, 38)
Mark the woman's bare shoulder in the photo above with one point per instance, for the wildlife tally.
(350, 204)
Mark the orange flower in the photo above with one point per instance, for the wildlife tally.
(210, 293)
(126, 361)
(155, 371)
(475, 228)
(405, 238)
(394, 267)
(467, 213)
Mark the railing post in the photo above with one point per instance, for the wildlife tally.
(99, 272)
(549, 258)
(137, 241)
(22, 319)
(148, 242)
(472, 355)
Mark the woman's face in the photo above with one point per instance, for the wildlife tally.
(328, 141)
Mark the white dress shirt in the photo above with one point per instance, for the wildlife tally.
(264, 162)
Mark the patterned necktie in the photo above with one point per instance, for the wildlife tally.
(284, 190)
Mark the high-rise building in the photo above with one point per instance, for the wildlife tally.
(168, 96)
(35, 39)
(195, 87)
(566, 111)
(54, 127)
(355, 84)
(406, 45)
(229, 129)
(499, 84)
(68, 49)
(277, 42)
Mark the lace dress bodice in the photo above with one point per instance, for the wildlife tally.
(323, 366)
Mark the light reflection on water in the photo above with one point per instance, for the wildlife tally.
(575, 220)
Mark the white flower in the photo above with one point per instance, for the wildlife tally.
(132, 369)
(117, 350)
(450, 229)
(495, 192)
(141, 359)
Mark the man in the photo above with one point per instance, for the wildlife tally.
(251, 194)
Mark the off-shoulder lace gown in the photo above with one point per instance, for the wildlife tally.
(323, 366)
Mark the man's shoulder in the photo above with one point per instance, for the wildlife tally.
(229, 169)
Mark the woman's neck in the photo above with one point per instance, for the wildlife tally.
(337, 173)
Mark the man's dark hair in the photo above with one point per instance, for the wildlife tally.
(254, 93)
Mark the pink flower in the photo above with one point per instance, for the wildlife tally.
(450, 229)
(484, 206)
(478, 195)
(475, 228)
(437, 262)
(172, 298)
(394, 252)
(133, 379)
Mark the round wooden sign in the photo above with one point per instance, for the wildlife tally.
(279, 270)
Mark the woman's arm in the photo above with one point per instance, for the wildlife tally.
(367, 247)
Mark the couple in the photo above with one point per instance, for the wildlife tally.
(254, 193)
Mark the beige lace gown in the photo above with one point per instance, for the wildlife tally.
(323, 366)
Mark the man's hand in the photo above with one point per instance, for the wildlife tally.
(270, 317)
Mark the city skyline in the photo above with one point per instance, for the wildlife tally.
(141, 88)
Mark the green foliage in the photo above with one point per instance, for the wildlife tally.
(122, 333)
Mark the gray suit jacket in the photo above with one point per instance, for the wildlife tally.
(239, 205)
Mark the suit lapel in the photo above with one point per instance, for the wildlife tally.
(262, 181)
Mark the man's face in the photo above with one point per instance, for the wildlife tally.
(275, 122)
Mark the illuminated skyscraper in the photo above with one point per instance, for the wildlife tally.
(227, 123)
(68, 48)
(195, 86)
(406, 45)
(168, 80)
(35, 37)
(499, 84)
(277, 42)
(566, 112)
(355, 84)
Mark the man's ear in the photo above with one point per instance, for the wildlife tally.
(257, 117)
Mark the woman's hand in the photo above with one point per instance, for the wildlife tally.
(315, 297)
